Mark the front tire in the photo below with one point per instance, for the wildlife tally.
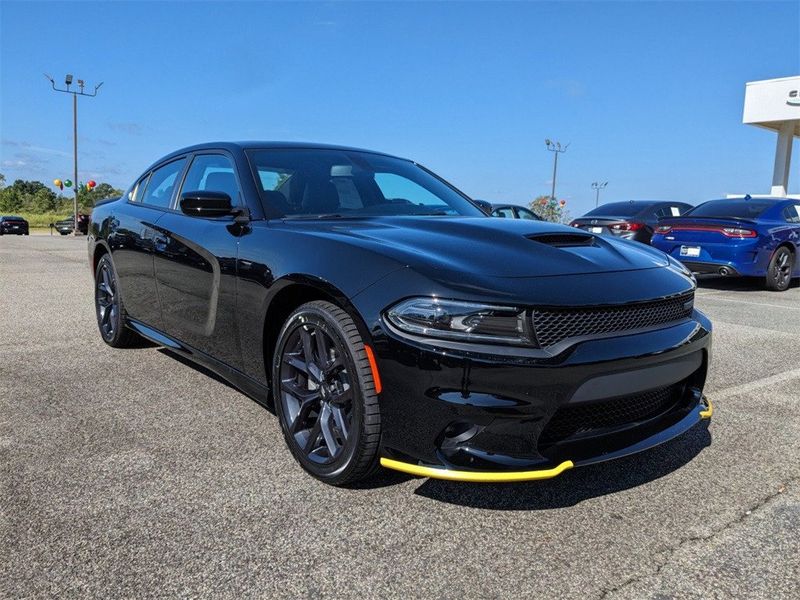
(108, 306)
(325, 394)
(779, 272)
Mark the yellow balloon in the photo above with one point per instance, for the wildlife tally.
(57, 182)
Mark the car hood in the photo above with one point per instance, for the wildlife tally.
(485, 246)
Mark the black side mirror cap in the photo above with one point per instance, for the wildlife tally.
(206, 204)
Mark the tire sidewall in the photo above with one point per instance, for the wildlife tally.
(339, 468)
(771, 281)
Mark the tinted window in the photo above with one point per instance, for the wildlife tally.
(670, 211)
(792, 213)
(524, 213)
(506, 212)
(741, 209)
(213, 173)
(137, 193)
(161, 184)
(619, 209)
(307, 182)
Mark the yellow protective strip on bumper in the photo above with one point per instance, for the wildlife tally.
(706, 414)
(475, 476)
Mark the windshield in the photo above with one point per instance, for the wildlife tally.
(297, 183)
(730, 209)
(618, 209)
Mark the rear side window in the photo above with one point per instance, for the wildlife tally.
(506, 213)
(161, 184)
(524, 213)
(212, 173)
(792, 213)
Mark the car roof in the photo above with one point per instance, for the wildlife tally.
(267, 145)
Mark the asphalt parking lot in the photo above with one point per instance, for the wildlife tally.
(127, 473)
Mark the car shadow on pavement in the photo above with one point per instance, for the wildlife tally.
(576, 485)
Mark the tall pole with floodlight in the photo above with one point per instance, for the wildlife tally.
(75, 94)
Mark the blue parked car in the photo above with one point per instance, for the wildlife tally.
(748, 237)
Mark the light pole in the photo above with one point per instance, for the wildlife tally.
(556, 149)
(597, 187)
(75, 94)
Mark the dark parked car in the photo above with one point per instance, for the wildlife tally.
(66, 226)
(508, 211)
(733, 237)
(391, 322)
(633, 220)
(12, 225)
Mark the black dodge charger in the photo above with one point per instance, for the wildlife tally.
(391, 322)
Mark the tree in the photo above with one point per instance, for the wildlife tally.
(102, 191)
(31, 196)
(550, 210)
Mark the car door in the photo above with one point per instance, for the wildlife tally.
(195, 264)
(132, 236)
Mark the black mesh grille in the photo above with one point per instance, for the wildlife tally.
(570, 420)
(555, 325)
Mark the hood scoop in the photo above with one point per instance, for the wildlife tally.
(563, 240)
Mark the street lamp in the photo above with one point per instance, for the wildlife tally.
(597, 187)
(556, 148)
(75, 94)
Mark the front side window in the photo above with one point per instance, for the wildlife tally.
(212, 173)
(298, 183)
(161, 184)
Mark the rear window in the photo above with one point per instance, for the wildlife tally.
(618, 209)
(730, 209)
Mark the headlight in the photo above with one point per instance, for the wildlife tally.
(465, 321)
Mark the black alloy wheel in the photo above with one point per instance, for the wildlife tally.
(779, 273)
(325, 394)
(109, 307)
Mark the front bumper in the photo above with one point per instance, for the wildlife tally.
(474, 417)
(704, 410)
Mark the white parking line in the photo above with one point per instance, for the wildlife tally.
(736, 300)
(752, 386)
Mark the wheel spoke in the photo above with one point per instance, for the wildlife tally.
(327, 433)
(341, 420)
(313, 435)
(296, 362)
(107, 279)
(322, 348)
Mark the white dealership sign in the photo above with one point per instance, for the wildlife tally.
(769, 103)
(775, 104)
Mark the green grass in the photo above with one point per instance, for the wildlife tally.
(39, 220)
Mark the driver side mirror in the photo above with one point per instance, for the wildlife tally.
(206, 204)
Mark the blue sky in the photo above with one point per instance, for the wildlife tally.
(649, 94)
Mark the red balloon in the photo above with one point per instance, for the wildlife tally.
(91, 183)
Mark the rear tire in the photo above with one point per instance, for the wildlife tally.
(109, 308)
(779, 272)
(325, 396)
